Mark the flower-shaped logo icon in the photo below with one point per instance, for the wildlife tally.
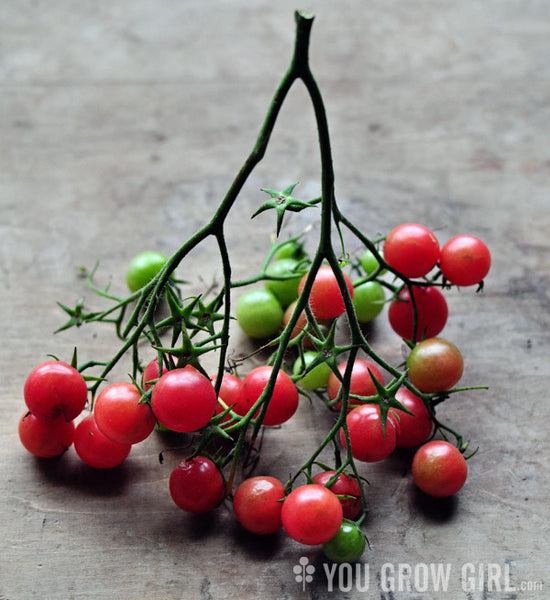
(303, 571)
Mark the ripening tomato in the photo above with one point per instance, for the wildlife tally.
(343, 486)
(46, 439)
(284, 399)
(120, 414)
(55, 388)
(432, 312)
(412, 430)
(465, 260)
(435, 365)
(411, 249)
(369, 441)
(302, 324)
(196, 485)
(325, 299)
(257, 504)
(439, 469)
(311, 514)
(184, 400)
(96, 449)
(361, 383)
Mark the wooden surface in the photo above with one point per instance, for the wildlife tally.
(122, 126)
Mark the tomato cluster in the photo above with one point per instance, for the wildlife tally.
(379, 407)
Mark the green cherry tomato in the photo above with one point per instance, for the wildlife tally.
(368, 300)
(290, 249)
(370, 263)
(317, 377)
(285, 290)
(347, 545)
(259, 313)
(143, 268)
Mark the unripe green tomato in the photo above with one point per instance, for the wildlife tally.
(347, 545)
(368, 300)
(370, 263)
(259, 313)
(285, 290)
(317, 377)
(290, 249)
(143, 268)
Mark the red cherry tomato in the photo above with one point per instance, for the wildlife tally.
(45, 439)
(284, 399)
(151, 373)
(412, 430)
(411, 249)
(96, 449)
(257, 504)
(120, 415)
(196, 485)
(343, 486)
(326, 300)
(432, 312)
(435, 365)
(311, 514)
(230, 391)
(465, 260)
(55, 388)
(439, 469)
(184, 400)
(361, 382)
(369, 441)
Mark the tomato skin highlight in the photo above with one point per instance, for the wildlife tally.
(184, 400)
(96, 449)
(439, 469)
(55, 388)
(435, 365)
(432, 312)
(120, 416)
(411, 249)
(465, 260)
(325, 299)
(257, 504)
(284, 400)
(196, 485)
(311, 514)
(45, 439)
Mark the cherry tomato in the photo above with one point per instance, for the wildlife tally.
(368, 300)
(259, 314)
(257, 504)
(361, 382)
(196, 485)
(412, 430)
(439, 469)
(326, 300)
(55, 388)
(284, 399)
(465, 260)
(369, 442)
(230, 391)
(370, 263)
(348, 545)
(151, 373)
(316, 377)
(411, 249)
(302, 324)
(343, 486)
(120, 415)
(285, 290)
(45, 439)
(311, 514)
(96, 449)
(143, 268)
(184, 400)
(432, 312)
(435, 365)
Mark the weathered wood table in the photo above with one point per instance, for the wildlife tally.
(124, 123)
